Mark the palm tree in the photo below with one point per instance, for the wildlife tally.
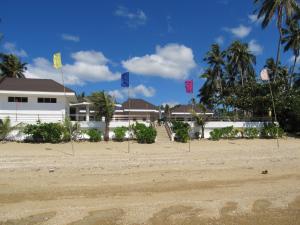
(11, 66)
(200, 120)
(215, 59)
(167, 112)
(291, 39)
(241, 61)
(6, 128)
(208, 93)
(104, 106)
(284, 9)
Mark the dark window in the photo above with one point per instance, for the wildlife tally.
(17, 99)
(46, 100)
(11, 99)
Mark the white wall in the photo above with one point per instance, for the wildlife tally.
(31, 111)
(209, 126)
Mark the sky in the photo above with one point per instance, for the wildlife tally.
(160, 43)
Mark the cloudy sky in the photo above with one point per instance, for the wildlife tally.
(161, 43)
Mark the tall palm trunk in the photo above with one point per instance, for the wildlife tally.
(106, 135)
(279, 26)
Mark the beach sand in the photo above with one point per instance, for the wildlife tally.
(158, 184)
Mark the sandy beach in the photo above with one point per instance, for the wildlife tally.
(159, 184)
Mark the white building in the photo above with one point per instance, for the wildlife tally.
(30, 100)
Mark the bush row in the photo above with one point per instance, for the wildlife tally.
(268, 131)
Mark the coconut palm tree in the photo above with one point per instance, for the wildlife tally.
(208, 93)
(241, 61)
(167, 112)
(11, 66)
(215, 59)
(291, 39)
(283, 9)
(104, 107)
(200, 119)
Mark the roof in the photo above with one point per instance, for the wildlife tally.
(187, 109)
(138, 104)
(26, 84)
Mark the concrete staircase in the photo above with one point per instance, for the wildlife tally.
(162, 135)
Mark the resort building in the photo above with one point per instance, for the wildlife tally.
(30, 100)
(184, 112)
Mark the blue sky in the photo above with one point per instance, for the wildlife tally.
(161, 43)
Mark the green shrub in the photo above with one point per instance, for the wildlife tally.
(216, 134)
(181, 130)
(251, 132)
(270, 131)
(144, 134)
(94, 134)
(120, 133)
(45, 132)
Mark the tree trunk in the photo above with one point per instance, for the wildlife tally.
(279, 25)
(202, 131)
(106, 135)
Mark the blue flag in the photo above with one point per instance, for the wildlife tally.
(125, 79)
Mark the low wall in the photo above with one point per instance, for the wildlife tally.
(209, 126)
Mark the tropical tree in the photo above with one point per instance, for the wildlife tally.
(208, 93)
(104, 107)
(11, 66)
(241, 62)
(167, 112)
(200, 119)
(283, 10)
(215, 59)
(6, 128)
(291, 39)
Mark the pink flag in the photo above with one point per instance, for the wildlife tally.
(264, 75)
(189, 86)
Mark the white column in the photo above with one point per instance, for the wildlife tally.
(87, 115)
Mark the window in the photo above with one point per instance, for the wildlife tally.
(46, 100)
(17, 99)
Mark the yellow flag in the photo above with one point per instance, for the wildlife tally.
(57, 60)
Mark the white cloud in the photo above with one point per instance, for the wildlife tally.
(253, 19)
(255, 48)
(134, 92)
(292, 59)
(220, 40)
(69, 37)
(171, 61)
(133, 19)
(88, 66)
(12, 49)
(240, 31)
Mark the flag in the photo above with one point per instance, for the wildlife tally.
(57, 60)
(189, 86)
(264, 75)
(125, 79)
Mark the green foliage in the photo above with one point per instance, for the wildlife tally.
(215, 134)
(181, 130)
(144, 134)
(271, 131)
(95, 135)
(11, 66)
(104, 107)
(251, 132)
(5, 128)
(225, 132)
(45, 132)
(120, 133)
(70, 130)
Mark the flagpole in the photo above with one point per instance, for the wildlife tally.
(58, 66)
(128, 147)
(275, 115)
